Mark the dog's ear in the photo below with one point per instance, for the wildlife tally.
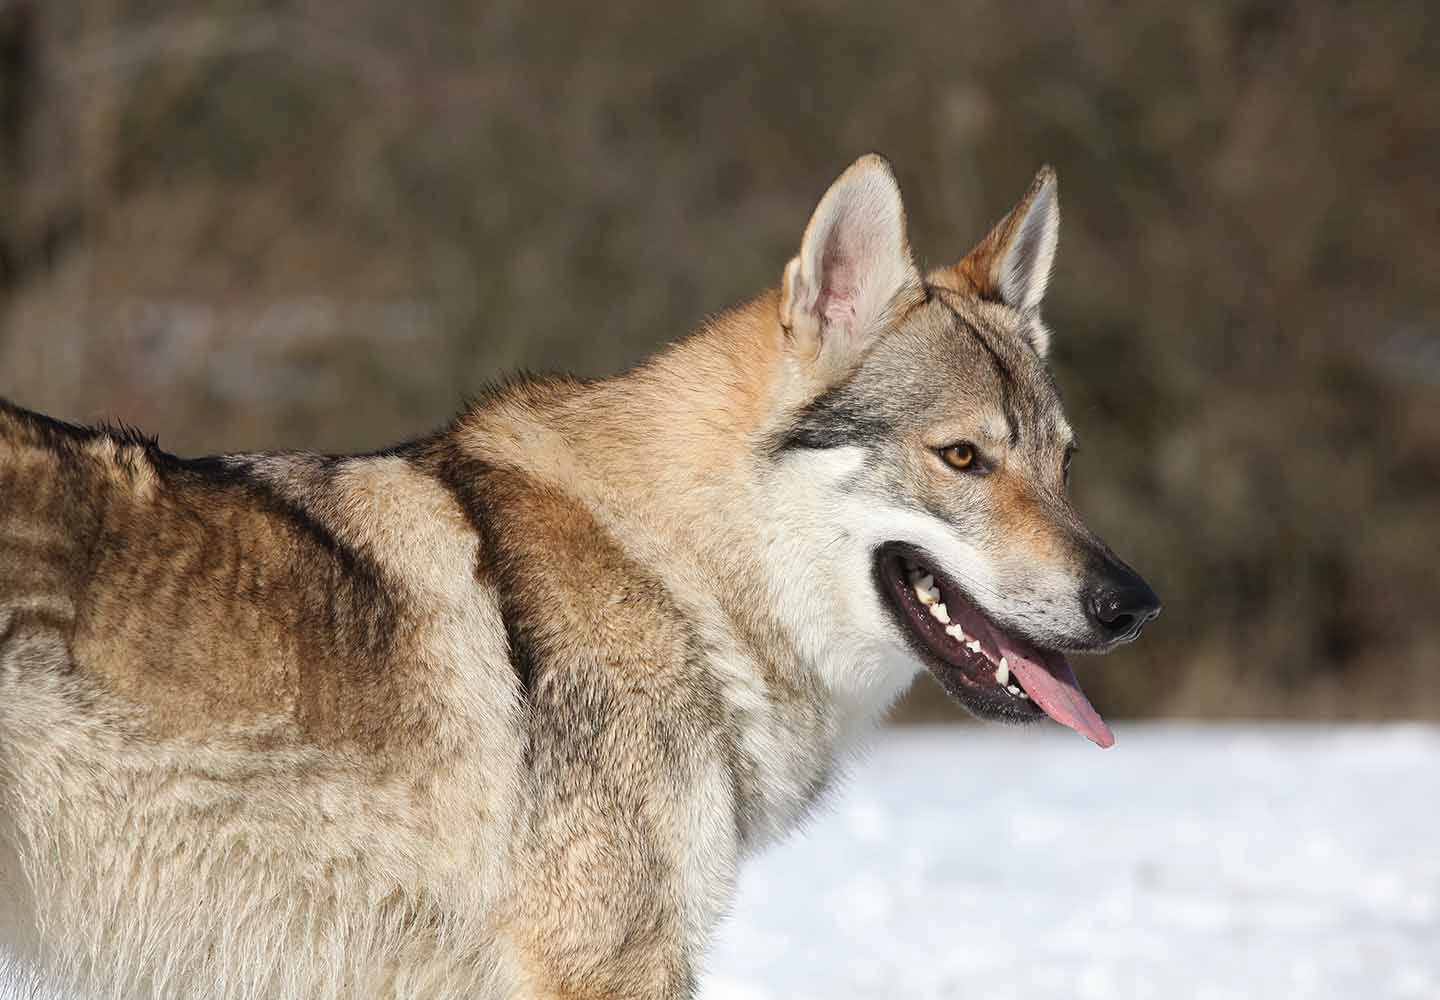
(1012, 264)
(854, 272)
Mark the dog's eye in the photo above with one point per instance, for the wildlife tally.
(959, 456)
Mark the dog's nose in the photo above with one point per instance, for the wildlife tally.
(1121, 602)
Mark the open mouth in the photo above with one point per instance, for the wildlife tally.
(992, 672)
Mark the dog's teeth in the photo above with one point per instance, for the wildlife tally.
(1002, 673)
(927, 596)
(1013, 689)
(925, 582)
(955, 632)
(941, 613)
(974, 645)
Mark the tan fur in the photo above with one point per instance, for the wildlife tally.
(498, 713)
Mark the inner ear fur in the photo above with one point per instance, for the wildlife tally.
(854, 271)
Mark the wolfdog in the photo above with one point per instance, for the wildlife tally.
(498, 712)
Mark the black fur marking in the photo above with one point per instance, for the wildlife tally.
(466, 478)
(551, 689)
(834, 419)
(523, 659)
(1007, 382)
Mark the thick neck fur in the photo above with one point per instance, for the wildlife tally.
(674, 459)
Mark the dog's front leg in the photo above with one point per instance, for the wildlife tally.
(576, 959)
(617, 904)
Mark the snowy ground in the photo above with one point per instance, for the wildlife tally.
(1187, 862)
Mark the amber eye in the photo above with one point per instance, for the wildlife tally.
(959, 456)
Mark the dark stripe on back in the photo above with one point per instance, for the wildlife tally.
(55, 434)
(229, 472)
(361, 575)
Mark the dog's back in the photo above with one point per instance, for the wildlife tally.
(231, 685)
(405, 724)
(141, 561)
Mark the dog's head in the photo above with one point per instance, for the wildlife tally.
(927, 459)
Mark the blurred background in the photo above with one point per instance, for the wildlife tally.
(320, 223)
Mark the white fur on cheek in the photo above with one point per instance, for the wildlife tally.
(824, 536)
(821, 586)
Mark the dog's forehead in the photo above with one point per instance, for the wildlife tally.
(939, 371)
(971, 361)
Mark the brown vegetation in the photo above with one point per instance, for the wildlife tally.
(320, 223)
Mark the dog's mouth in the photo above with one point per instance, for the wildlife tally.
(993, 673)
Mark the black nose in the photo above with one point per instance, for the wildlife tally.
(1120, 602)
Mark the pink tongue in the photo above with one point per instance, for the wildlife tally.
(1049, 681)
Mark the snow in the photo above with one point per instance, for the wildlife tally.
(1188, 861)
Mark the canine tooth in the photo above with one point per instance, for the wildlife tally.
(955, 632)
(927, 596)
(941, 613)
(1002, 673)
(925, 582)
